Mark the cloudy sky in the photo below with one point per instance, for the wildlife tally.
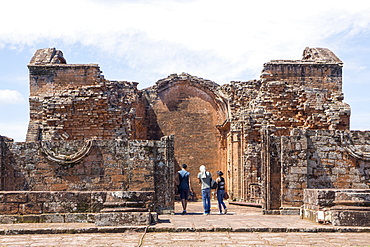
(146, 40)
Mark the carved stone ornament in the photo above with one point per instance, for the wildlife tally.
(65, 159)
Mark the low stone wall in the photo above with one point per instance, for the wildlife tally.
(340, 207)
(70, 167)
(75, 206)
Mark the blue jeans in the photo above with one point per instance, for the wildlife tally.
(220, 199)
(206, 196)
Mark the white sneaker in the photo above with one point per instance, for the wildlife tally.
(225, 210)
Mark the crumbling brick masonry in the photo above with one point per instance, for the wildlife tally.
(273, 137)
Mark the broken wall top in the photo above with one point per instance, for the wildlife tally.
(50, 73)
(47, 56)
(319, 68)
(290, 93)
(314, 56)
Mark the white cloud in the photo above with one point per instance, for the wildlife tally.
(210, 38)
(8, 96)
(214, 39)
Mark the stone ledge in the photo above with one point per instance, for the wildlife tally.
(91, 228)
(19, 203)
(283, 211)
(116, 218)
(48, 218)
(346, 207)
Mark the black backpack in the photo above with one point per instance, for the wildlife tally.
(213, 184)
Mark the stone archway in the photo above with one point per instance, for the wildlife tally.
(190, 108)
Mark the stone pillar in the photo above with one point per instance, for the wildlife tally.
(235, 166)
(265, 163)
(164, 174)
(270, 174)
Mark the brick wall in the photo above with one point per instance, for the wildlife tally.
(101, 112)
(105, 166)
(319, 159)
(187, 107)
(75, 102)
(290, 94)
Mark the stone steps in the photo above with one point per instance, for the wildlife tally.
(124, 204)
(123, 209)
(125, 212)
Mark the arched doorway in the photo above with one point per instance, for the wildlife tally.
(190, 109)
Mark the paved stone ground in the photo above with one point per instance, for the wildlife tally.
(132, 239)
(242, 226)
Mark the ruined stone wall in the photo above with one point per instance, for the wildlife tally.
(290, 94)
(75, 102)
(100, 165)
(290, 99)
(306, 93)
(216, 126)
(307, 73)
(294, 167)
(319, 159)
(319, 68)
(338, 159)
(90, 112)
(242, 154)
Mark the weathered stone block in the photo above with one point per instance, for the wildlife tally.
(59, 207)
(29, 219)
(31, 208)
(16, 197)
(58, 187)
(77, 217)
(130, 195)
(40, 196)
(298, 170)
(9, 219)
(52, 218)
(346, 207)
(123, 218)
(9, 208)
(350, 218)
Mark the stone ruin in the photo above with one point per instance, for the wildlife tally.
(104, 151)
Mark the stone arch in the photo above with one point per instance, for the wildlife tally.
(191, 109)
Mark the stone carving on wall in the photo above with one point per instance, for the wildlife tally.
(63, 159)
(352, 149)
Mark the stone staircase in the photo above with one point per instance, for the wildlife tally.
(124, 206)
(127, 208)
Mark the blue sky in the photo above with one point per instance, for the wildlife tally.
(145, 41)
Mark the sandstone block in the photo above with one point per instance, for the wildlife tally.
(9, 208)
(31, 208)
(52, 218)
(124, 218)
(21, 197)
